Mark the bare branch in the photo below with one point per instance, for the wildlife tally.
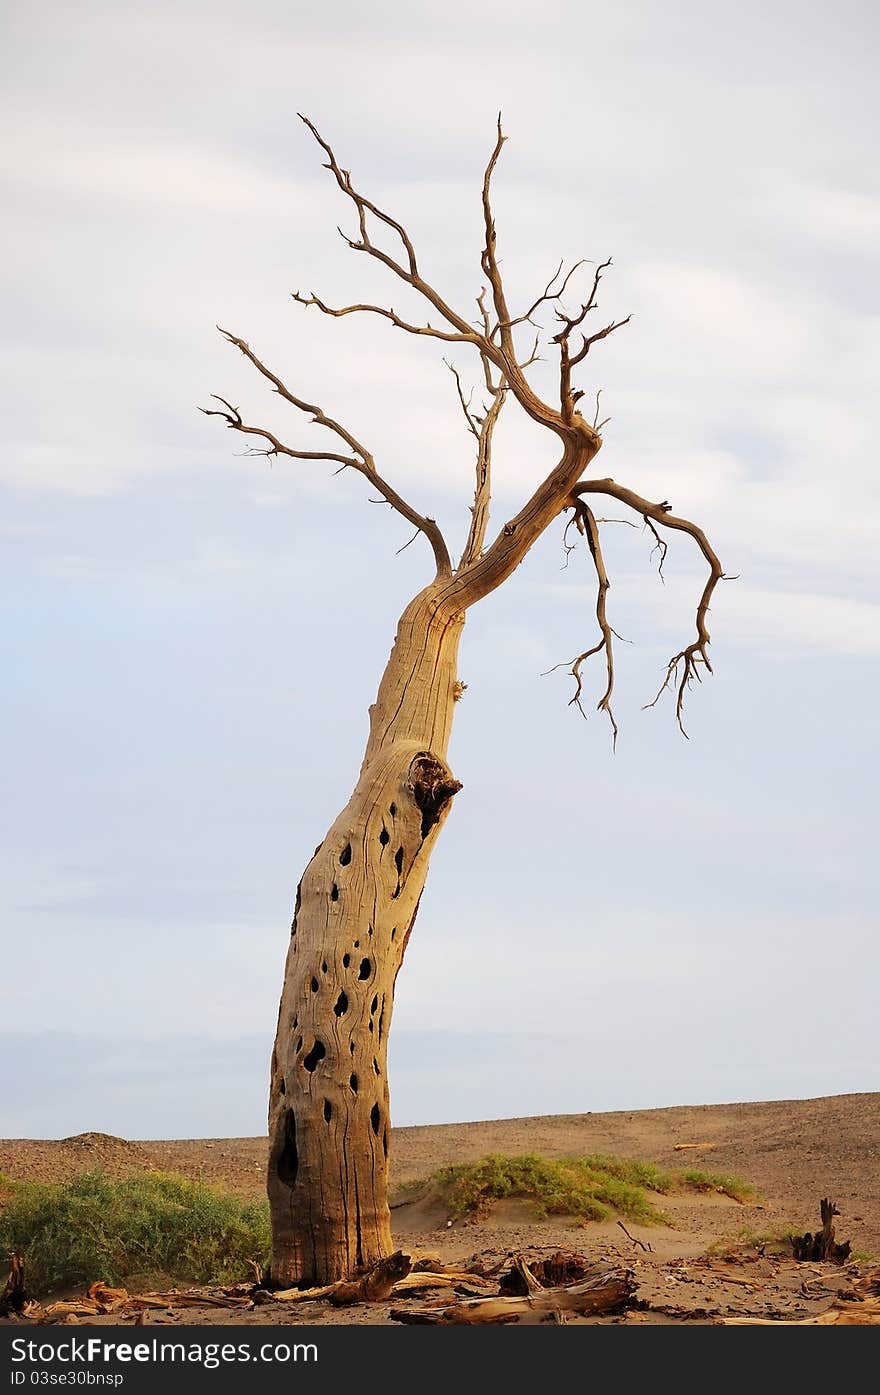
(567, 360)
(660, 545)
(483, 488)
(447, 335)
(589, 304)
(489, 257)
(343, 179)
(408, 272)
(586, 524)
(360, 459)
(548, 293)
(694, 655)
(591, 339)
(465, 405)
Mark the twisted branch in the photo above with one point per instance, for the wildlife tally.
(585, 522)
(694, 655)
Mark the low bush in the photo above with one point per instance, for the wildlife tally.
(592, 1187)
(156, 1226)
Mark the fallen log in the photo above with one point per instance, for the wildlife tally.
(417, 1283)
(606, 1293)
(302, 1295)
(373, 1286)
(843, 1314)
(688, 1147)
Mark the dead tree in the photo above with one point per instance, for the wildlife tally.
(358, 897)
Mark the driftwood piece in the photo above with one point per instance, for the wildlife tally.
(692, 1147)
(375, 1285)
(303, 1295)
(427, 1279)
(842, 1314)
(822, 1245)
(520, 1280)
(13, 1297)
(642, 1245)
(606, 1293)
(559, 1271)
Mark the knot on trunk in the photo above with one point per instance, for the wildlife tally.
(432, 786)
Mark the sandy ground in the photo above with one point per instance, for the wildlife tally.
(794, 1152)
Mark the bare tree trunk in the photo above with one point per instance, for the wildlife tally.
(356, 904)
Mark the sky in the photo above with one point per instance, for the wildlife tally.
(191, 638)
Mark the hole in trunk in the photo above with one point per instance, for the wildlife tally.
(314, 985)
(398, 860)
(334, 892)
(324, 967)
(364, 970)
(385, 1142)
(341, 1005)
(346, 960)
(384, 837)
(328, 1111)
(357, 944)
(288, 1159)
(317, 1053)
(353, 1082)
(375, 1003)
(375, 1119)
(392, 809)
(345, 855)
(282, 1088)
(432, 787)
(376, 1066)
(394, 932)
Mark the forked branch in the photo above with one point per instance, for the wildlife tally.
(684, 666)
(359, 458)
(585, 522)
(569, 360)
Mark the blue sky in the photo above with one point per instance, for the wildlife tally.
(191, 639)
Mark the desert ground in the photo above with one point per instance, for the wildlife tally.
(707, 1264)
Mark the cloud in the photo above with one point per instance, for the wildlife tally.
(192, 639)
(847, 219)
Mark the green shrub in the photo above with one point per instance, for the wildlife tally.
(583, 1187)
(591, 1187)
(153, 1225)
(717, 1182)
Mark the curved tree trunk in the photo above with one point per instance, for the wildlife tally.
(356, 904)
(358, 898)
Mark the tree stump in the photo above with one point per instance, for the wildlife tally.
(822, 1245)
